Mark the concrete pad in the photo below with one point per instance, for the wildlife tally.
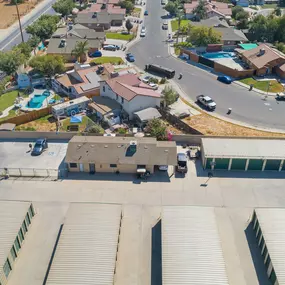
(16, 155)
(180, 107)
(32, 263)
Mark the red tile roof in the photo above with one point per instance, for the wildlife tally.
(129, 86)
(219, 7)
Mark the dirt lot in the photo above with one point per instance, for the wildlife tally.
(8, 13)
(209, 125)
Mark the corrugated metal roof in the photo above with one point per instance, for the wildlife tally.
(191, 247)
(272, 224)
(244, 148)
(12, 215)
(86, 252)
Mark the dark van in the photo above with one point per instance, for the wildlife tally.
(169, 73)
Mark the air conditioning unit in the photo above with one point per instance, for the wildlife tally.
(133, 142)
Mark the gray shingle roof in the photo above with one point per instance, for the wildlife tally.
(55, 47)
(101, 18)
(230, 34)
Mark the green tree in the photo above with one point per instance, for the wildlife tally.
(278, 11)
(129, 25)
(63, 7)
(96, 129)
(10, 61)
(25, 49)
(44, 27)
(128, 5)
(156, 128)
(48, 65)
(80, 51)
(33, 41)
(236, 10)
(242, 24)
(13, 2)
(280, 31)
(169, 95)
(200, 11)
(280, 47)
(171, 7)
(242, 15)
(203, 36)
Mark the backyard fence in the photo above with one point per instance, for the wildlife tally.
(33, 172)
(28, 117)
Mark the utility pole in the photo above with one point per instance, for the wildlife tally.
(19, 22)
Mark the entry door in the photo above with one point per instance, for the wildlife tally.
(81, 168)
(92, 168)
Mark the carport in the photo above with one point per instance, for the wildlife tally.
(243, 154)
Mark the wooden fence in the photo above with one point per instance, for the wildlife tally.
(28, 117)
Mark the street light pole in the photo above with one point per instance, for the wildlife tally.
(19, 22)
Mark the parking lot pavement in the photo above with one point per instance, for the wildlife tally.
(17, 155)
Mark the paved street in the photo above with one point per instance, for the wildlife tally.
(248, 107)
(14, 37)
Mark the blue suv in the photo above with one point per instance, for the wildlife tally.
(130, 57)
(225, 79)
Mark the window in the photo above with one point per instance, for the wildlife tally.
(140, 166)
(28, 221)
(73, 165)
(24, 227)
(104, 88)
(117, 97)
(113, 165)
(7, 268)
(31, 211)
(17, 244)
(122, 100)
(21, 236)
(13, 253)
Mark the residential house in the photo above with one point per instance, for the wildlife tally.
(70, 108)
(219, 9)
(263, 59)
(242, 3)
(83, 80)
(114, 2)
(106, 109)
(132, 94)
(110, 8)
(118, 154)
(79, 32)
(65, 46)
(103, 19)
(230, 36)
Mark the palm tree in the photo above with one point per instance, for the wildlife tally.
(80, 51)
(180, 16)
(200, 11)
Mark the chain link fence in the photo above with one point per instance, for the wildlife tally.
(34, 172)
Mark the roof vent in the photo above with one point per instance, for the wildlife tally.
(94, 15)
(62, 43)
(114, 74)
(133, 142)
(261, 52)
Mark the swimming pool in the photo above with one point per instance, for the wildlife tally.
(217, 55)
(37, 101)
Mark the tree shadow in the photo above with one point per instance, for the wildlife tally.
(156, 255)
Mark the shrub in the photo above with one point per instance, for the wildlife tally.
(153, 80)
(122, 131)
(162, 80)
(96, 129)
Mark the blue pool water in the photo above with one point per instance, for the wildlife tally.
(37, 101)
(215, 55)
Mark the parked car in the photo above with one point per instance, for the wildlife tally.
(97, 53)
(146, 13)
(280, 97)
(182, 163)
(143, 32)
(165, 26)
(145, 79)
(130, 57)
(39, 147)
(153, 85)
(224, 79)
(111, 47)
(207, 102)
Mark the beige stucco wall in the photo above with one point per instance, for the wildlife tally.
(105, 168)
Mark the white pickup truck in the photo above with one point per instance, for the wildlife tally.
(207, 102)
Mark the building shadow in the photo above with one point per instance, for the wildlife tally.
(257, 259)
(52, 255)
(251, 174)
(156, 255)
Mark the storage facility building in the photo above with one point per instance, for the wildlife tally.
(87, 248)
(191, 247)
(243, 154)
(15, 220)
(269, 228)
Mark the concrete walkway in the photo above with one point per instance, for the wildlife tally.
(5, 113)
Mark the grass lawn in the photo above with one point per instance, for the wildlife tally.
(263, 85)
(119, 36)
(82, 125)
(7, 99)
(108, 59)
(174, 24)
(268, 6)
